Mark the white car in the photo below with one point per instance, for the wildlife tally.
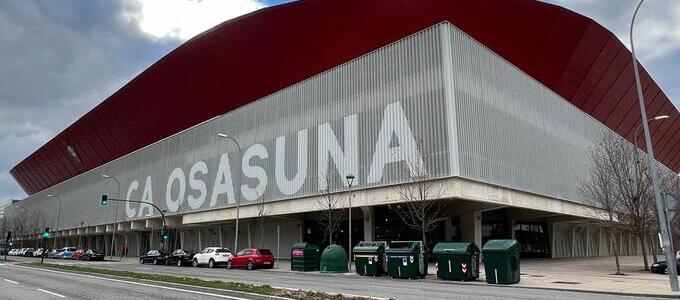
(38, 252)
(21, 252)
(212, 256)
(13, 252)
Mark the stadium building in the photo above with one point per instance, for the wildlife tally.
(496, 101)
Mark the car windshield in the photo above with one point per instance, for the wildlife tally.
(222, 250)
(265, 252)
(71, 249)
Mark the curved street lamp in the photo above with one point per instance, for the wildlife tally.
(237, 193)
(56, 229)
(660, 203)
(350, 180)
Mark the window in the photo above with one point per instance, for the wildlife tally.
(265, 252)
(223, 250)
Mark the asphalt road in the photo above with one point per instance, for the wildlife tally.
(18, 282)
(349, 284)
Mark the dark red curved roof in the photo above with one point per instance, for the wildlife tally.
(255, 55)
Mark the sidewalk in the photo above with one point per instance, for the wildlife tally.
(592, 275)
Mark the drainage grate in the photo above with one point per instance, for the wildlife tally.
(566, 282)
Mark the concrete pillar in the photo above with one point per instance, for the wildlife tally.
(471, 227)
(573, 241)
(448, 229)
(219, 232)
(250, 239)
(587, 241)
(369, 223)
(200, 242)
(181, 238)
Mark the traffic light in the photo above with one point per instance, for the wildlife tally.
(8, 237)
(165, 236)
(105, 200)
(46, 233)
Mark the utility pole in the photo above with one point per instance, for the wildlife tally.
(660, 203)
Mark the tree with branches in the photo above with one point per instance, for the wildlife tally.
(599, 190)
(419, 204)
(330, 202)
(263, 219)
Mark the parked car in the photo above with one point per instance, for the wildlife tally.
(53, 253)
(212, 256)
(91, 254)
(252, 258)
(154, 256)
(28, 252)
(661, 267)
(3, 251)
(180, 257)
(20, 252)
(78, 255)
(38, 252)
(13, 252)
(66, 252)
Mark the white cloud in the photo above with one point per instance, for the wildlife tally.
(183, 19)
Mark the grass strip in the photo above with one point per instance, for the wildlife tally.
(217, 284)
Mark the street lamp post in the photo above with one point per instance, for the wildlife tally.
(350, 180)
(637, 130)
(660, 203)
(54, 244)
(237, 193)
(115, 218)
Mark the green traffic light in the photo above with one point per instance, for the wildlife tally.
(105, 200)
(165, 237)
(46, 235)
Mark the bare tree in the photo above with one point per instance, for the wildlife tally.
(263, 219)
(420, 206)
(333, 210)
(599, 190)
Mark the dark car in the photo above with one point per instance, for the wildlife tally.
(180, 257)
(660, 267)
(91, 254)
(156, 257)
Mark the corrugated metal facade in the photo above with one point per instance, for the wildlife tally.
(387, 108)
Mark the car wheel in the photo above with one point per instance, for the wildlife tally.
(141, 261)
(250, 265)
(155, 261)
(179, 262)
(211, 263)
(166, 262)
(194, 263)
(229, 264)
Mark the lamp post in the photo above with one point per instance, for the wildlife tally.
(350, 180)
(237, 193)
(56, 230)
(115, 218)
(660, 203)
(637, 130)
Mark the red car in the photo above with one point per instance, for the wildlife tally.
(78, 255)
(252, 258)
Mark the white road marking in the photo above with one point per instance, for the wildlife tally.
(143, 284)
(11, 281)
(51, 293)
(2, 264)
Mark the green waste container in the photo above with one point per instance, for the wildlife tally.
(406, 259)
(334, 259)
(369, 258)
(501, 261)
(457, 261)
(305, 257)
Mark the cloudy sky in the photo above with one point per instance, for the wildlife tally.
(58, 59)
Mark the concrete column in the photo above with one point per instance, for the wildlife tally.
(369, 223)
(448, 229)
(250, 239)
(471, 227)
(219, 232)
(200, 242)
(573, 241)
(139, 243)
(181, 238)
(587, 241)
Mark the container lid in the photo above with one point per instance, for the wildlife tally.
(455, 248)
(370, 246)
(401, 246)
(499, 245)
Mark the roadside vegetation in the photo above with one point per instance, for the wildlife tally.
(216, 284)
